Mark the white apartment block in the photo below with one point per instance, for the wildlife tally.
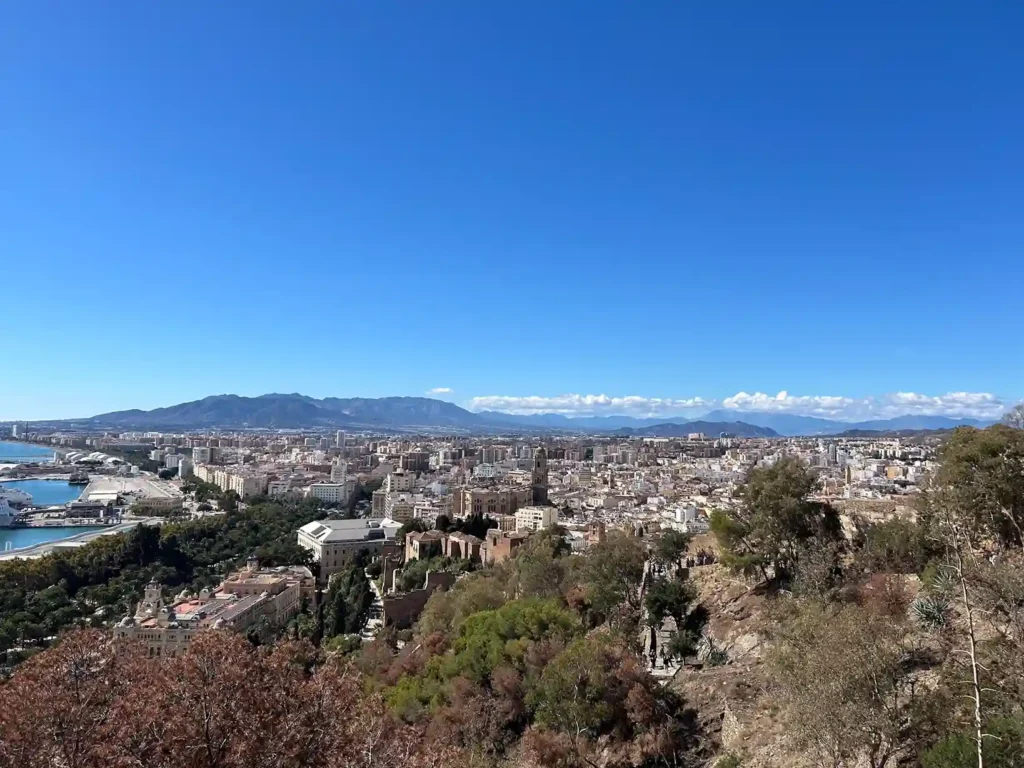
(329, 493)
(399, 481)
(245, 484)
(399, 507)
(280, 488)
(535, 518)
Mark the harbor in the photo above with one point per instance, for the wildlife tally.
(43, 492)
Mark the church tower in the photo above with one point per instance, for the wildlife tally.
(540, 477)
(152, 602)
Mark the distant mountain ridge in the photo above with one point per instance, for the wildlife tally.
(296, 411)
(786, 424)
(794, 425)
(708, 428)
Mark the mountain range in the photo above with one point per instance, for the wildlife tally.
(786, 424)
(709, 428)
(295, 411)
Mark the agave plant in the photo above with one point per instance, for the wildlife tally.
(932, 611)
(943, 582)
(710, 652)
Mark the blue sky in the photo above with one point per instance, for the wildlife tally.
(662, 200)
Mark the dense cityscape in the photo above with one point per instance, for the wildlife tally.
(382, 554)
(511, 385)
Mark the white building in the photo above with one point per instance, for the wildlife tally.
(279, 487)
(399, 506)
(334, 543)
(535, 518)
(399, 481)
(329, 493)
(244, 484)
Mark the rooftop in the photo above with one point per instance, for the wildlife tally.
(348, 530)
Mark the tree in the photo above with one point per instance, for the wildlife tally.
(612, 573)
(1015, 417)
(1004, 749)
(416, 524)
(54, 711)
(596, 697)
(539, 567)
(670, 547)
(982, 476)
(347, 603)
(847, 678)
(500, 637)
(668, 597)
(897, 545)
(975, 507)
(222, 704)
(475, 525)
(776, 521)
(229, 501)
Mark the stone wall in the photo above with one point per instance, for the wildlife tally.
(401, 611)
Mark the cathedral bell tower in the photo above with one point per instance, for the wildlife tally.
(540, 478)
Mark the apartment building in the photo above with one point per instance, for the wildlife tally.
(399, 506)
(399, 480)
(536, 518)
(329, 493)
(244, 482)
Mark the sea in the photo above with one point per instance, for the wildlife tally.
(47, 493)
(16, 538)
(22, 453)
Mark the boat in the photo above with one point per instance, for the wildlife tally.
(7, 516)
(78, 478)
(15, 497)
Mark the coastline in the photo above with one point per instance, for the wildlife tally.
(78, 539)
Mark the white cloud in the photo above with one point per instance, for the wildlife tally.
(979, 405)
(440, 391)
(589, 405)
(826, 406)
